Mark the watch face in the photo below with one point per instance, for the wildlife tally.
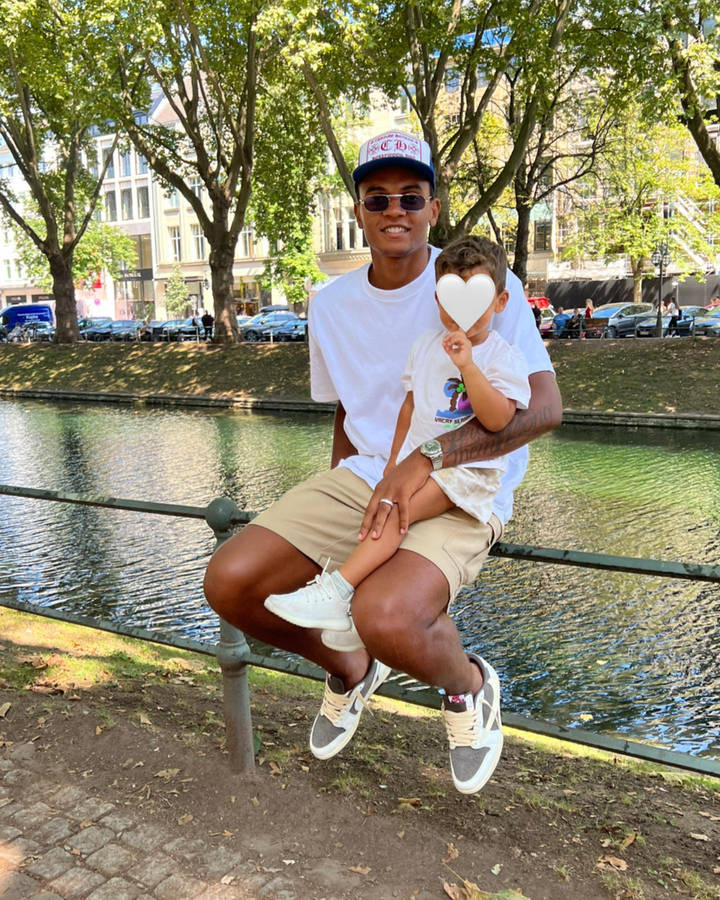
(431, 447)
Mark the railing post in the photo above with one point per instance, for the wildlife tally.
(232, 653)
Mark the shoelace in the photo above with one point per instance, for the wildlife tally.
(335, 705)
(462, 726)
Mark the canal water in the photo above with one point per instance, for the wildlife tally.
(629, 655)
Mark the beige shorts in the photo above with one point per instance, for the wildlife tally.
(322, 516)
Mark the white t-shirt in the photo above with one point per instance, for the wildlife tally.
(360, 338)
(440, 404)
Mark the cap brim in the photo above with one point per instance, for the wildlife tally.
(401, 162)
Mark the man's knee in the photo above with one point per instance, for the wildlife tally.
(227, 582)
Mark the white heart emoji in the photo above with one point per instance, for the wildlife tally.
(465, 301)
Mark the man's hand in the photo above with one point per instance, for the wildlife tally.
(398, 485)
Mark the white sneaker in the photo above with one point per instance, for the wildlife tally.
(339, 714)
(344, 641)
(324, 602)
(474, 730)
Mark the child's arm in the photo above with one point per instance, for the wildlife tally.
(491, 407)
(401, 429)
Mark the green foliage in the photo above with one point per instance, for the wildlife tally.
(294, 266)
(177, 295)
(102, 247)
(644, 172)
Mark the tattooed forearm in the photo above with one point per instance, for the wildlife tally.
(472, 442)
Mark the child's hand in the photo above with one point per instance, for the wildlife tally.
(458, 347)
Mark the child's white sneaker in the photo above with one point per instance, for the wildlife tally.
(324, 602)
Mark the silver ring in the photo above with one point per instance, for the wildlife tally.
(389, 502)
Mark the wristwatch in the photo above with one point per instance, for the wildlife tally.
(434, 452)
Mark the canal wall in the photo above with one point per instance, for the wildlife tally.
(661, 383)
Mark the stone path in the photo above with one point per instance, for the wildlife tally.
(58, 841)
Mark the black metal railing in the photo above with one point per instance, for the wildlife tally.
(234, 654)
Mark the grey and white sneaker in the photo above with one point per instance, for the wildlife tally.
(324, 602)
(339, 714)
(343, 641)
(474, 730)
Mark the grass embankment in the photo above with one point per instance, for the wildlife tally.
(141, 725)
(645, 376)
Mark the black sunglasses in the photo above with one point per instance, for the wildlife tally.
(408, 202)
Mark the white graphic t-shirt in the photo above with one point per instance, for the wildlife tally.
(440, 400)
(360, 337)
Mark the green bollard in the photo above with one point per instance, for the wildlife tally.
(232, 654)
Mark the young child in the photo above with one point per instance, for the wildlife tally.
(451, 375)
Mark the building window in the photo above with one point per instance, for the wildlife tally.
(338, 236)
(125, 163)
(173, 200)
(196, 185)
(246, 242)
(108, 155)
(110, 207)
(198, 241)
(175, 243)
(141, 165)
(126, 203)
(543, 236)
(143, 199)
(8, 269)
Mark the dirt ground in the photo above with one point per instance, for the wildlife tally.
(141, 726)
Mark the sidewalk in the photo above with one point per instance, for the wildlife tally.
(114, 784)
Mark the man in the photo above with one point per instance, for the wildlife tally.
(361, 329)
(560, 321)
(207, 322)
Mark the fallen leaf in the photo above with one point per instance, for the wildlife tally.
(144, 719)
(98, 729)
(253, 800)
(227, 879)
(612, 862)
(361, 870)
(289, 862)
(183, 820)
(411, 801)
(452, 853)
(166, 773)
(708, 815)
(496, 869)
(4, 801)
(4, 709)
(699, 837)
(716, 870)
(227, 833)
(275, 769)
(628, 840)
(74, 697)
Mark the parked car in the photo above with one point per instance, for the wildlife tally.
(252, 330)
(291, 331)
(99, 331)
(126, 330)
(189, 329)
(270, 332)
(91, 322)
(158, 332)
(685, 324)
(707, 325)
(622, 317)
(546, 321)
(41, 331)
(148, 329)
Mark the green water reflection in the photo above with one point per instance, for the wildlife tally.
(637, 654)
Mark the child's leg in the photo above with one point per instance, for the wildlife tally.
(427, 503)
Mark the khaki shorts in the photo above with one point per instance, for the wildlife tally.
(322, 516)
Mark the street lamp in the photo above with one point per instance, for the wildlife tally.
(660, 258)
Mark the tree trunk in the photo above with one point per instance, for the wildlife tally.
(636, 267)
(222, 255)
(522, 241)
(442, 232)
(66, 329)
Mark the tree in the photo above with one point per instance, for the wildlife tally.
(678, 69)
(646, 190)
(215, 68)
(294, 267)
(421, 49)
(49, 102)
(101, 248)
(177, 295)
